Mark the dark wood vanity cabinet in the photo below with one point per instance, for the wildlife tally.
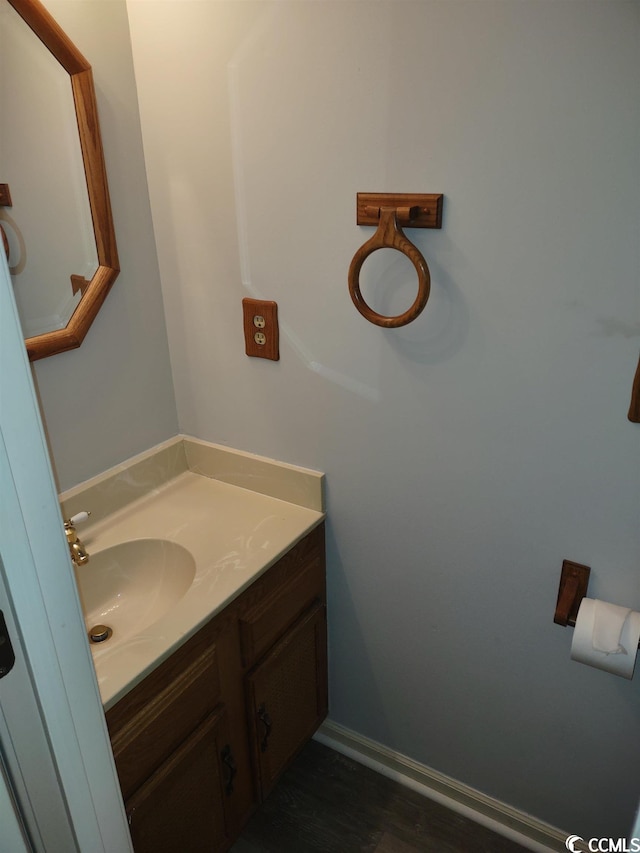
(205, 736)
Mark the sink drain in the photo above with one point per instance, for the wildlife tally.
(100, 633)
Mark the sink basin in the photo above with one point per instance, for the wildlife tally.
(131, 585)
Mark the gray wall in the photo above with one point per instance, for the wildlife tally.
(466, 455)
(112, 397)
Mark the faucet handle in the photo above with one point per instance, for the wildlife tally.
(78, 518)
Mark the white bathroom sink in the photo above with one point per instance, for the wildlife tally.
(131, 585)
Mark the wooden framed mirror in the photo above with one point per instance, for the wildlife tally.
(92, 290)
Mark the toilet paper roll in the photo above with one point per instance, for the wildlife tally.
(606, 636)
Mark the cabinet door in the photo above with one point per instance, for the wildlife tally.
(181, 806)
(287, 694)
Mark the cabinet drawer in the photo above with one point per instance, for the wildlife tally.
(264, 623)
(151, 734)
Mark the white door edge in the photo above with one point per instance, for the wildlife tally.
(45, 604)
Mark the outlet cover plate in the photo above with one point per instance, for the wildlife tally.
(268, 310)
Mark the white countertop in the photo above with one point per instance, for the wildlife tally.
(234, 535)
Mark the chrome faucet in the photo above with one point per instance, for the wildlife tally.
(78, 552)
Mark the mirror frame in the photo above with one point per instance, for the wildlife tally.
(57, 42)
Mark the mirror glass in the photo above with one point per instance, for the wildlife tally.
(40, 148)
(58, 227)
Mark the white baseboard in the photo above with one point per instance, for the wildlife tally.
(487, 811)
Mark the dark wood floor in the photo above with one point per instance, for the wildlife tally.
(327, 803)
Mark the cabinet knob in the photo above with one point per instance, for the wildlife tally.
(265, 719)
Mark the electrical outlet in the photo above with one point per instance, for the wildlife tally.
(261, 336)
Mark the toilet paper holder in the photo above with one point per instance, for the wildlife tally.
(574, 581)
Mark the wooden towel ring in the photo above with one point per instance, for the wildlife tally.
(389, 235)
